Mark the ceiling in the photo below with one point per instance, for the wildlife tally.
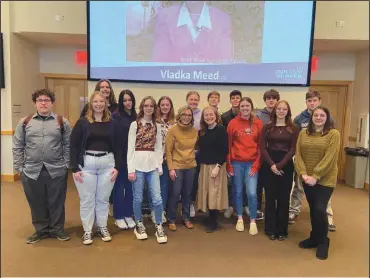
(80, 40)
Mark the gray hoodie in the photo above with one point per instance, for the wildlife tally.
(264, 116)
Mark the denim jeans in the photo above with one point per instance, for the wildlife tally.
(122, 196)
(165, 181)
(154, 189)
(241, 177)
(95, 189)
(183, 186)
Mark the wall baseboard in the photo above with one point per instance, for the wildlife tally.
(10, 178)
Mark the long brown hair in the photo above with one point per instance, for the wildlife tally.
(112, 97)
(90, 112)
(141, 109)
(171, 113)
(251, 117)
(327, 126)
(288, 117)
(203, 124)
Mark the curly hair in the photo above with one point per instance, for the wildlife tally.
(43, 92)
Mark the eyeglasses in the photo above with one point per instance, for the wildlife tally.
(186, 115)
(43, 100)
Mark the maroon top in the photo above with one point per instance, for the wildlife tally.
(278, 138)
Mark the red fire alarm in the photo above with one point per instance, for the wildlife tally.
(314, 63)
(81, 57)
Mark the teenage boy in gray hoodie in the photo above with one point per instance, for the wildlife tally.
(270, 97)
(313, 99)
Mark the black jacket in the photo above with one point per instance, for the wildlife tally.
(81, 132)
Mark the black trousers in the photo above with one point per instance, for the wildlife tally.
(318, 197)
(277, 189)
(46, 198)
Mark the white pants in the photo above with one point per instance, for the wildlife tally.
(95, 190)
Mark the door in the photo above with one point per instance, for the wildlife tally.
(70, 97)
(334, 98)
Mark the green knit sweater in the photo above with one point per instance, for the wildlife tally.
(317, 156)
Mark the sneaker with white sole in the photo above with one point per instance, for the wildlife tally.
(260, 215)
(253, 229)
(104, 234)
(160, 234)
(130, 222)
(331, 226)
(228, 212)
(164, 219)
(121, 223)
(292, 218)
(140, 231)
(240, 226)
(192, 211)
(87, 238)
(246, 211)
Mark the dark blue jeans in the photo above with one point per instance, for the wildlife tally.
(183, 186)
(196, 177)
(122, 196)
(165, 182)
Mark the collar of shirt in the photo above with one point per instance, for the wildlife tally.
(36, 115)
(204, 20)
(144, 122)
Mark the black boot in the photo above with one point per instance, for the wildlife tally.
(308, 243)
(323, 250)
(212, 225)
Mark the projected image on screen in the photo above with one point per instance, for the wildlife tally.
(194, 32)
(236, 42)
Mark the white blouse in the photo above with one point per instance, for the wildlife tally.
(144, 161)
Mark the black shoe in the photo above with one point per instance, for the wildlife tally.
(260, 215)
(61, 235)
(211, 227)
(323, 250)
(281, 238)
(36, 237)
(308, 243)
(272, 237)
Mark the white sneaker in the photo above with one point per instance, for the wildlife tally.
(139, 231)
(253, 229)
(121, 223)
(152, 217)
(228, 212)
(240, 226)
(192, 211)
(104, 234)
(130, 222)
(87, 238)
(160, 234)
(246, 211)
(164, 219)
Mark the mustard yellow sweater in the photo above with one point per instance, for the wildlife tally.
(180, 147)
(317, 156)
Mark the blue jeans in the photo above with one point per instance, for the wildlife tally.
(122, 196)
(241, 177)
(183, 186)
(95, 189)
(152, 179)
(165, 181)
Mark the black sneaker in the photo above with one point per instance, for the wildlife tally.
(104, 234)
(61, 235)
(260, 215)
(36, 237)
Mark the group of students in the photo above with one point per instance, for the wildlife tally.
(208, 160)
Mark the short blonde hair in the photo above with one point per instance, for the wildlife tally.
(181, 111)
(90, 112)
(192, 93)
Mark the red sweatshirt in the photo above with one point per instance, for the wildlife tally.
(244, 142)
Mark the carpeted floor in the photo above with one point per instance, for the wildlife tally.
(188, 252)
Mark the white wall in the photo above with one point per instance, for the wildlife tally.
(60, 60)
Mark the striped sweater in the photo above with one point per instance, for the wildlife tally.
(317, 156)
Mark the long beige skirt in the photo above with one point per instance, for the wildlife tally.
(212, 192)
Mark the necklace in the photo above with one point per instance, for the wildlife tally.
(280, 129)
